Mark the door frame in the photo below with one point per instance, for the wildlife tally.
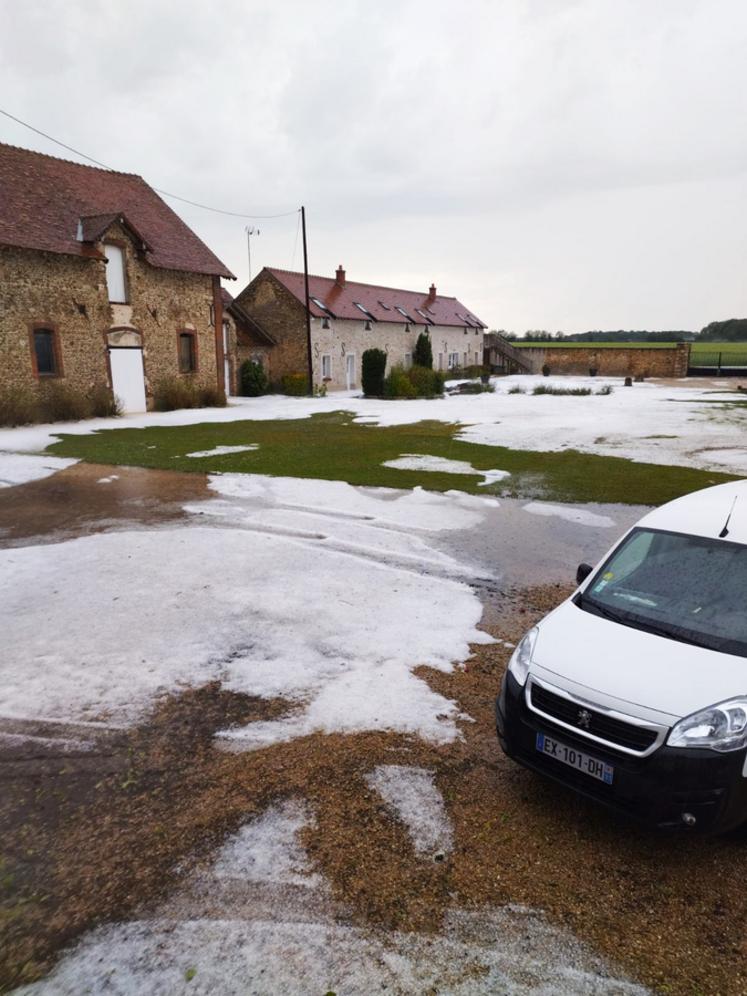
(348, 358)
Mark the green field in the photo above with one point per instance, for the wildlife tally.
(333, 447)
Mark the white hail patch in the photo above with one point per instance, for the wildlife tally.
(437, 464)
(413, 796)
(20, 468)
(570, 514)
(224, 450)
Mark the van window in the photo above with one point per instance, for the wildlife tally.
(687, 588)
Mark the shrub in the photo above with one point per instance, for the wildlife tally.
(171, 393)
(62, 403)
(398, 384)
(516, 389)
(295, 384)
(428, 383)
(475, 387)
(549, 389)
(253, 379)
(417, 382)
(474, 370)
(607, 389)
(211, 397)
(423, 353)
(372, 373)
(103, 403)
(18, 406)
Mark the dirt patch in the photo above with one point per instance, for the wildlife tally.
(80, 851)
(89, 498)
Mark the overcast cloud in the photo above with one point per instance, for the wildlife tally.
(557, 164)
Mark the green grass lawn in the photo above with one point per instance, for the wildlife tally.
(333, 447)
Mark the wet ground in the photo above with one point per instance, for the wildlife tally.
(87, 498)
(98, 822)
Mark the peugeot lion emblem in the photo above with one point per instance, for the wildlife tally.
(584, 719)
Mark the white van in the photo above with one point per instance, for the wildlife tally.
(634, 690)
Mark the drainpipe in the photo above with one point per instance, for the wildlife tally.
(218, 320)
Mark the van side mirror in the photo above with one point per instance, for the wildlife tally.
(582, 572)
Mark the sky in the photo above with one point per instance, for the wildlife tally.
(556, 164)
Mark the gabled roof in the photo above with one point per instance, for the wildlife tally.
(94, 226)
(43, 200)
(382, 304)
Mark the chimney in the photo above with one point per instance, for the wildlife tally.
(432, 294)
(340, 276)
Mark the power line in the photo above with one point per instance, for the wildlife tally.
(165, 193)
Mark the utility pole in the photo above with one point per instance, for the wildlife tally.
(250, 230)
(306, 291)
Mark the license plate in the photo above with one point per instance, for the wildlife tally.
(575, 758)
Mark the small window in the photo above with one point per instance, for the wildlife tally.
(326, 367)
(384, 306)
(211, 315)
(408, 361)
(325, 323)
(453, 363)
(367, 325)
(187, 352)
(407, 326)
(45, 353)
(440, 361)
(320, 304)
(115, 274)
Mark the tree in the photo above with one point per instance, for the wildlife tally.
(373, 365)
(423, 355)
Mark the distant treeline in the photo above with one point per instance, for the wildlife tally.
(622, 335)
(731, 330)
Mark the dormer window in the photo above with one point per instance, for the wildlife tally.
(115, 274)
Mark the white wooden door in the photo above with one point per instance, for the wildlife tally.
(128, 378)
(350, 369)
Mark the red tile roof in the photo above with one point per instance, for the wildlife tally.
(42, 200)
(381, 303)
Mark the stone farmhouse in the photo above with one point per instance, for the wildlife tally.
(102, 283)
(346, 319)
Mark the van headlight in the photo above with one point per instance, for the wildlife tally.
(721, 727)
(522, 656)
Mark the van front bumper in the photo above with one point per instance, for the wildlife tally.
(659, 789)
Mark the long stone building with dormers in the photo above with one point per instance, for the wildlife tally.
(346, 319)
(102, 283)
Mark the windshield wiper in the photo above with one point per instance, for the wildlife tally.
(636, 623)
(599, 610)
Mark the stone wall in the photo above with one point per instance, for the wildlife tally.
(622, 361)
(284, 317)
(69, 294)
(346, 336)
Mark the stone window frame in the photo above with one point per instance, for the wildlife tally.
(195, 352)
(59, 370)
(120, 244)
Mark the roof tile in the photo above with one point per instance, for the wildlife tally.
(44, 198)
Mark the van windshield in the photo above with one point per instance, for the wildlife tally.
(686, 588)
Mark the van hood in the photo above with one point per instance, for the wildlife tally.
(633, 667)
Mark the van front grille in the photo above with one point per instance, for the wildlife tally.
(597, 724)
